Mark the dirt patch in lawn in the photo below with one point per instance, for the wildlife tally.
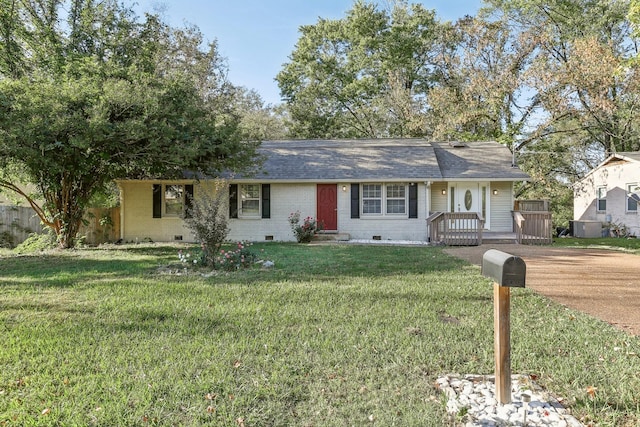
(602, 283)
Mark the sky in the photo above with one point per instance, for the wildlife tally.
(257, 36)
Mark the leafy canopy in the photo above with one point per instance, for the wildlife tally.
(94, 94)
(360, 76)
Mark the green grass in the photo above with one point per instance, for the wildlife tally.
(622, 244)
(334, 335)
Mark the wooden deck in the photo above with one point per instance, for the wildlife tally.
(466, 229)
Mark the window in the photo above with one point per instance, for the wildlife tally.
(632, 203)
(452, 196)
(396, 199)
(371, 199)
(601, 202)
(173, 200)
(380, 199)
(250, 200)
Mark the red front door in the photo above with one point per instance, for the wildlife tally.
(327, 195)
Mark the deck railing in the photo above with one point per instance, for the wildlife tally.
(455, 228)
(533, 228)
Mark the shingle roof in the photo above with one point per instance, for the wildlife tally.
(383, 160)
(476, 160)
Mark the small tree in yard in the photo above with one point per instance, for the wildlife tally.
(207, 218)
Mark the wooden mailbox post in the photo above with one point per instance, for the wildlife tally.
(507, 271)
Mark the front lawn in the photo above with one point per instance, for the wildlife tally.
(333, 335)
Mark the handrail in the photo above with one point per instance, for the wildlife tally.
(518, 218)
(455, 228)
(533, 227)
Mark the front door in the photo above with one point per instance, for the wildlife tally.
(466, 198)
(469, 197)
(327, 199)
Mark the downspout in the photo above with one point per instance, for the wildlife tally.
(121, 190)
(427, 201)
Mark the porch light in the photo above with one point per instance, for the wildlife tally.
(344, 188)
(444, 192)
(495, 192)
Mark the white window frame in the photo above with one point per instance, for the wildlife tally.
(367, 196)
(242, 197)
(165, 211)
(599, 192)
(387, 198)
(631, 188)
(383, 199)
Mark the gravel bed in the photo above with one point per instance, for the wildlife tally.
(471, 402)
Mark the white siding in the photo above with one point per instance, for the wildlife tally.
(438, 200)
(138, 224)
(615, 176)
(285, 199)
(500, 206)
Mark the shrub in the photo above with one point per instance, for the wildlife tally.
(304, 232)
(37, 243)
(207, 218)
(231, 260)
(7, 240)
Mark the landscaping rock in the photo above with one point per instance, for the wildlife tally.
(471, 399)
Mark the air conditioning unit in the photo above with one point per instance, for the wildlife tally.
(587, 229)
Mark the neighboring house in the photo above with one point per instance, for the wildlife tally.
(606, 193)
(364, 189)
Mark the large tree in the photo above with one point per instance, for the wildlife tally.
(582, 75)
(481, 92)
(361, 76)
(89, 94)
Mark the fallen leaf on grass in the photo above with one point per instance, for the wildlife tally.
(240, 421)
(211, 409)
(445, 318)
(45, 411)
(413, 330)
(591, 391)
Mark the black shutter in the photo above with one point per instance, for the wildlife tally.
(157, 201)
(266, 200)
(188, 200)
(233, 201)
(355, 200)
(413, 200)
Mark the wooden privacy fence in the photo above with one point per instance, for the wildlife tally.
(531, 205)
(455, 228)
(533, 228)
(16, 224)
(102, 225)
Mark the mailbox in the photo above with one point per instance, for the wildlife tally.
(505, 269)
